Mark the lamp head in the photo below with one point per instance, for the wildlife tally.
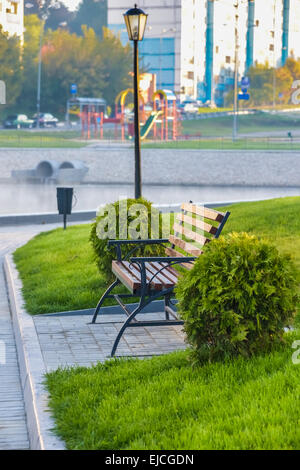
(135, 20)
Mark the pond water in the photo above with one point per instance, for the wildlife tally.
(35, 198)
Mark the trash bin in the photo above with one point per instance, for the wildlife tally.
(64, 200)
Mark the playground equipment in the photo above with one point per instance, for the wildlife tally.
(91, 112)
(120, 117)
(149, 123)
(163, 112)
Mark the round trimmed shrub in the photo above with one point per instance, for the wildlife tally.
(237, 298)
(141, 223)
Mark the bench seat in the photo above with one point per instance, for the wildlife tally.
(161, 275)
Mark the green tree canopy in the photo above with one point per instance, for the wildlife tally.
(265, 81)
(100, 68)
(27, 98)
(92, 13)
(10, 68)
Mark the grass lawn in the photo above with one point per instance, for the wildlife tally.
(40, 139)
(165, 403)
(260, 122)
(221, 144)
(59, 273)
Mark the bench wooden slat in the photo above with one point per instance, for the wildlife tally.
(203, 212)
(121, 273)
(167, 271)
(131, 267)
(165, 281)
(180, 229)
(130, 275)
(173, 253)
(197, 223)
(188, 247)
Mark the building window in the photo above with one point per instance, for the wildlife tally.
(190, 75)
(227, 59)
(217, 49)
(13, 9)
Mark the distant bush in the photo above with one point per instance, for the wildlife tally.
(237, 299)
(104, 255)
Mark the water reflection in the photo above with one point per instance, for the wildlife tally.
(21, 198)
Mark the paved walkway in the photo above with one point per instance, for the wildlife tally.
(65, 340)
(70, 340)
(13, 429)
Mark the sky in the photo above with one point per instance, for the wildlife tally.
(71, 4)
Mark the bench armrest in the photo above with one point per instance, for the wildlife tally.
(162, 259)
(118, 243)
(138, 242)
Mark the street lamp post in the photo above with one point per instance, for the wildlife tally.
(43, 7)
(274, 57)
(38, 96)
(135, 20)
(236, 68)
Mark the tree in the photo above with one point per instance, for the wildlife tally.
(10, 68)
(117, 65)
(262, 84)
(59, 16)
(99, 68)
(93, 14)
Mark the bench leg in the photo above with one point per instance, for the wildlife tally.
(124, 326)
(167, 303)
(110, 288)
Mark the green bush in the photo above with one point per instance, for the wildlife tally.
(237, 299)
(141, 222)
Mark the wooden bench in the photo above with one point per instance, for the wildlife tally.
(150, 278)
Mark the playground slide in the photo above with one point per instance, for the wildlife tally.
(149, 124)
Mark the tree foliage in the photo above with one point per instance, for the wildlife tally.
(100, 68)
(93, 14)
(238, 298)
(10, 69)
(27, 97)
(109, 221)
(58, 17)
(265, 81)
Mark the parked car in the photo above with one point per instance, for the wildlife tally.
(45, 120)
(189, 106)
(18, 121)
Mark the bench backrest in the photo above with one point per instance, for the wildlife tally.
(193, 228)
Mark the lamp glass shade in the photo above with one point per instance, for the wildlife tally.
(135, 20)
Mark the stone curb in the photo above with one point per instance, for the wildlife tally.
(32, 366)
(85, 216)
